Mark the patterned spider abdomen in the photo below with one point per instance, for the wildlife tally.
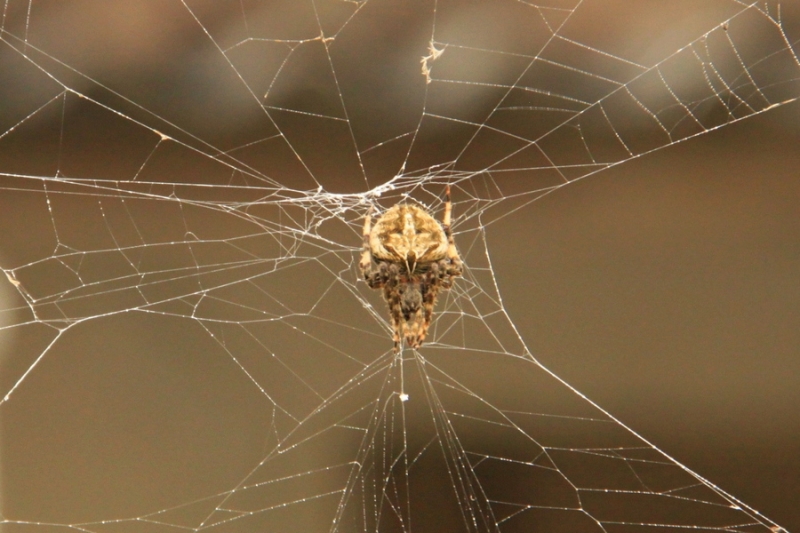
(406, 234)
(411, 308)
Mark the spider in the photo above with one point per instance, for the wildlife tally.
(411, 257)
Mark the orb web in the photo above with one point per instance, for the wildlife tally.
(188, 344)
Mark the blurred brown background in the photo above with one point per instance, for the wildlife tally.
(665, 289)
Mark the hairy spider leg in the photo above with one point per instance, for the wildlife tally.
(451, 267)
(446, 219)
(374, 279)
(365, 253)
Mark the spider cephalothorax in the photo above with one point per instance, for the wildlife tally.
(411, 256)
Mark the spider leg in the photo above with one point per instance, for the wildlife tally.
(368, 271)
(455, 266)
(365, 253)
(448, 208)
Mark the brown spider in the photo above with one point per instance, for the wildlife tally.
(411, 256)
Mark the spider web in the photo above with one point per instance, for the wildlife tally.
(184, 185)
